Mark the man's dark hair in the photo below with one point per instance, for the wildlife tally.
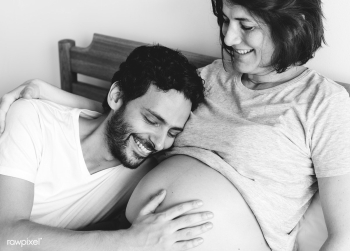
(296, 28)
(165, 68)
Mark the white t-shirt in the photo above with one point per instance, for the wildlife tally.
(41, 144)
(271, 144)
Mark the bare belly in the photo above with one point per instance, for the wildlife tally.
(185, 178)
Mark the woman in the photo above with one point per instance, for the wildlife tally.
(275, 129)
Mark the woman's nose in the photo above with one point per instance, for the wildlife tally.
(232, 35)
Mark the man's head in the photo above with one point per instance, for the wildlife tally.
(150, 101)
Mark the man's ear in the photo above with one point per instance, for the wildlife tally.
(114, 97)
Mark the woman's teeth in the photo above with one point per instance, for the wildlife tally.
(142, 147)
(243, 52)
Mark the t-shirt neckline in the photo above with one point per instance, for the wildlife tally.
(83, 167)
(238, 82)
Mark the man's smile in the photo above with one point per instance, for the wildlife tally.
(141, 147)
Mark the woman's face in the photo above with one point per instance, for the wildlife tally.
(249, 38)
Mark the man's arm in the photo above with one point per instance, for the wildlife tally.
(38, 89)
(335, 195)
(16, 201)
(149, 231)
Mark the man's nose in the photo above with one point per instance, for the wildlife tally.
(158, 140)
(233, 35)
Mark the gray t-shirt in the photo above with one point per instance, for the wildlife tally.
(271, 144)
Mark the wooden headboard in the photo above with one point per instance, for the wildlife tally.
(100, 60)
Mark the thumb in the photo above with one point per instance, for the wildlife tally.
(30, 92)
(152, 205)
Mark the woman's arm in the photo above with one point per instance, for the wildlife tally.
(335, 200)
(38, 89)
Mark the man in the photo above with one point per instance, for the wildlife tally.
(63, 168)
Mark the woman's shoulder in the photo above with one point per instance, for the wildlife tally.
(316, 96)
(218, 70)
(322, 84)
(313, 86)
(210, 69)
(217, 66)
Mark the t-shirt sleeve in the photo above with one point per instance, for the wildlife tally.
(330, 137)
(207, 73)
(21, 142)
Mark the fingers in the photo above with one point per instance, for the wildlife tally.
(152, 205)
(180, 209)
(4, 107)
(191, 232)
(26, 93)
(186, 245)
(2, 121)
(187, 236)
(192, 219)
(170, 229)
(7, 101)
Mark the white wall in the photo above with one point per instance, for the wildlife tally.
(333, 60)
(30, 30)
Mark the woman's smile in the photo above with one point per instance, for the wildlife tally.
(249, 39)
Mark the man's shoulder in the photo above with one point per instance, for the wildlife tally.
(20, 110)
(37, 115)
(25, 108)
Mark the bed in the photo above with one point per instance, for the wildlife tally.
(102, 58)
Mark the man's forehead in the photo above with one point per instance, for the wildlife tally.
(155, 96)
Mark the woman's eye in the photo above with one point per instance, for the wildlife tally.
(247, 28)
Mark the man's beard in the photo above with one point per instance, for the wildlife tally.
(118, 134)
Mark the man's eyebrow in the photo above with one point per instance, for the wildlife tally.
(162, 120)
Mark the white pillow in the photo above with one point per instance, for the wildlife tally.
(312, 228)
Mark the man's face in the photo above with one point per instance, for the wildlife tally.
(146, 125)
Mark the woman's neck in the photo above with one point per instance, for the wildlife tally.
(270, 79)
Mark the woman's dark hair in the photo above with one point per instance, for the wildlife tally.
(296, 28)
(163, 67)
